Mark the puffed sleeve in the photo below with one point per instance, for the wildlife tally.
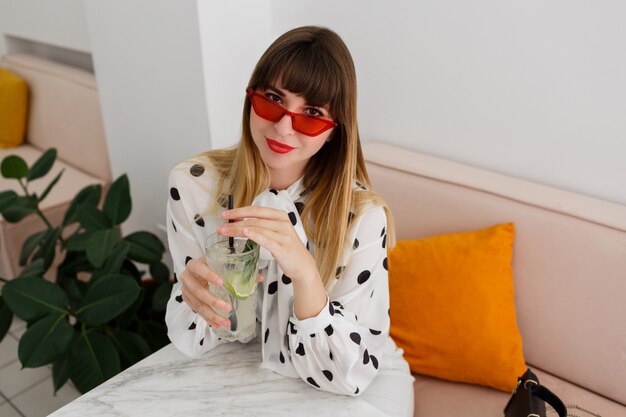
(187, 330)
(340, 349)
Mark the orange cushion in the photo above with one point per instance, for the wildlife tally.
(13, 109)
(452, 306)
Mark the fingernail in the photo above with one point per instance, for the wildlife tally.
(226, 323)
(225, 213)
(219, 282)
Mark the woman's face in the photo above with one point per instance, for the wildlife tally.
(285, 151)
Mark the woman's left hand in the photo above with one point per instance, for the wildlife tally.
(272, 229)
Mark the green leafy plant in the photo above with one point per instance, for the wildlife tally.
(99, 314)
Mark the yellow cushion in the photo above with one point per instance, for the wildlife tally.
(452, 306)
(13, 109)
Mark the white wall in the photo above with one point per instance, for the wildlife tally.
(149, 72)
(532, 89)
(233, 37)
(59, 22)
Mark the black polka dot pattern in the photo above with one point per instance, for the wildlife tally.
(363, 276)
(174, 226)
(374, 361)
(267, 333)
(312, 335)
(286, 280)
(299, 207)
(187, 259)
(179, 298)
(329, 330)
(355, 337)
(355, 244)
(382, 232)
(357, 391)
(272, 287)
(174, 194)
(385, 264)
(350, 217)
(292, 328)
(292, 218)
(273, 191)
(339, 271)
(330, 355)
(331, 309)
(193, 326)
(300, 349)
(328, 374)
(202, 342)
(375, 332)
(366, 357)
(312, 382)
(281, 357)
(175, 278)
(384, 241)
(199, 220)
(196, 170)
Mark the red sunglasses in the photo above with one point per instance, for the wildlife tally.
(301, 123)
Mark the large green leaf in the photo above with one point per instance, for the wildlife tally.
(161, 296)
(100, 246)
(6, 317)
(160, 272)
(32, 298)
(131, 347)
(73, 263)
(75, 290)
(154, 333)
(125, 319)
(47, 248)
(7, 198)
(115, 261)
(107, 298)
(78, 242)
(29, 246)
(19, 208)
(42, 165)
(45, 341)
(33, 269)
(93, 360)
(14, 166)
(117, 204)
(145, 247)
(91, 218)
(60, 371)
(90, 195)
(49, 187)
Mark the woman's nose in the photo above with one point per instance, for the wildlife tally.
(284, 126)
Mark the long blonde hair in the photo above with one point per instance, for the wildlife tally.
(313, 62)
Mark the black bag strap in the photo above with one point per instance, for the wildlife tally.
(548, 396)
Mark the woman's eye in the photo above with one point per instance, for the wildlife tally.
(314, 112)
(273, 97)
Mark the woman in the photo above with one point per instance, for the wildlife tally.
(323, 299)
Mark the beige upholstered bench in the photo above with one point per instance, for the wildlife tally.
(64, 113)
(569, 270)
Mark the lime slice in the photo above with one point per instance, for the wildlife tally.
(241, 285)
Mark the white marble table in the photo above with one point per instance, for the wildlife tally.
(229, 381)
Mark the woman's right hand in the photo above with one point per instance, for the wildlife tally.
(194, 284)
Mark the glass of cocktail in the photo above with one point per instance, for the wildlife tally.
(234, 260)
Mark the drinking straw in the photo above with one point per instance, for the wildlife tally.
(231, 240)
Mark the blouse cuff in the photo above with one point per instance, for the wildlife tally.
(314, 324)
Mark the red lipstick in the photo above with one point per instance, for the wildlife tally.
(278, 147)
